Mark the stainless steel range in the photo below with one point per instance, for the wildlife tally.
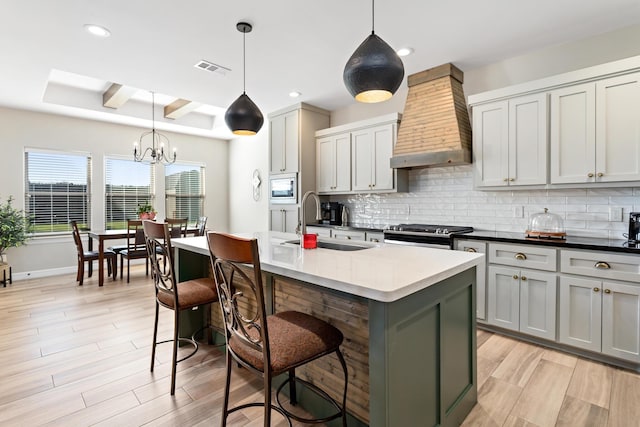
(433, 236)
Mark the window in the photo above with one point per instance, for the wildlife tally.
(57, 188)
(184, 189)
(127, 185)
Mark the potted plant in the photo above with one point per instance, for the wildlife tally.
(146, 211)
(14, 227)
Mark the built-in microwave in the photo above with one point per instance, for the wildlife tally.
(283, 188)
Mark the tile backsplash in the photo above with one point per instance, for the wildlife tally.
(446, 196)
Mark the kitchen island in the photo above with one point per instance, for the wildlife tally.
(407, 314)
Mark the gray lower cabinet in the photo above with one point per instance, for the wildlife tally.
(595, 312)
(481, 274)
(283, 218)
(522, 300)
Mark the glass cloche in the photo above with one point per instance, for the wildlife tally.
(546, 225)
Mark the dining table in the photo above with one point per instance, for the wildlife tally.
(102, 235)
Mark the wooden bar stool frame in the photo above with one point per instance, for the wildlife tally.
(245, 334)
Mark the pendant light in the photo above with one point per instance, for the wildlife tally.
(375, 71)
(243, 116)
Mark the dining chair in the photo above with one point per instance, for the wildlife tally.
(177, 226)
(90, 256)
(136, 248)
(201, 225)
(173, 295)
(267, 345)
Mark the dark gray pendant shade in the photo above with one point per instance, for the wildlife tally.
(243, 116)
(374, 72)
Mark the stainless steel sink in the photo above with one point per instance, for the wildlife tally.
(333, 245)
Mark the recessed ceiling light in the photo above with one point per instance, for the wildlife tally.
(405, 51)
(97, 30)
(294, 94)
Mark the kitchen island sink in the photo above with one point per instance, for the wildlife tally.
(333, 245)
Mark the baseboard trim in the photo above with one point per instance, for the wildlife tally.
(38, 274)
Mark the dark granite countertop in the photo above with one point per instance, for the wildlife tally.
(347, 227)
(590, 243)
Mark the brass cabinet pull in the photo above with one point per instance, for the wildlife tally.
(375, 240)
(523, 278)
(515, 276)
(602, 265)
(590, 174)
(596, 289)
(520, 256)
(607, 291)
(600, 174)
(506, 180)
(511, 179)
(348, 237)
(471, 250)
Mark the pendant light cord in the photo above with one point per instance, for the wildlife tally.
(244, 62)
(153, 111)
(373, 17)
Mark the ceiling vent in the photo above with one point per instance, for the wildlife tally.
(210, 66)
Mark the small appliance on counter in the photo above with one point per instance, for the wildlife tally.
(634, 229)
(546, 225)
(331, 213)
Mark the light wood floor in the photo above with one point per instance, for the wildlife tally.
(79, 356)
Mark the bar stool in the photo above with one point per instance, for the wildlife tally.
(173, 295)
(267, 345)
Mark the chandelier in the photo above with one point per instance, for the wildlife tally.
(156, 150)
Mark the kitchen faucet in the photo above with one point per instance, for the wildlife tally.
(303, 228)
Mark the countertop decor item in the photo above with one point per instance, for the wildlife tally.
(546, 225)
(375, 71)
(159, 142)
(243, 116)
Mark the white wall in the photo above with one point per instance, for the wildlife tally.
(446, 196)
(20, 129)
(247, 154)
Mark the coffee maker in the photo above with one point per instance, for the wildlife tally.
(331, 213)
(634, 228)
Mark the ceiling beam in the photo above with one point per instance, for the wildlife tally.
(179, 108)
(117, 95)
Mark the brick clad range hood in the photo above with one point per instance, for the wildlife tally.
(435, 128)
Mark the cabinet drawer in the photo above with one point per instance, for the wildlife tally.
(601, 265)
(319, 231)
(525, 256)
(348, 234)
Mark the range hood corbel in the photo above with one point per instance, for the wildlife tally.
(435, 128)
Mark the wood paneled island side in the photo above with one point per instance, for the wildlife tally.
(407, 314)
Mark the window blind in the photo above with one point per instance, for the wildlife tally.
(57, 188)
(127, 185)
(184, 191)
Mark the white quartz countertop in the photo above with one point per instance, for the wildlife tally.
(382, 272)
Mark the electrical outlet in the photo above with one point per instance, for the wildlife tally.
(518, 211)
(615, 214)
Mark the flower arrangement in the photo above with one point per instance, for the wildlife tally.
(14, 227)
(146, 211)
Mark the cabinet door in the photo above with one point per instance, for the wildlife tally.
(538, 303)
(621, 321)
(481, 273)
(618, 129)
(319, 231)
(333, 164)
(503, 297)
(283, 218)
(383, 139)
(284, 138)
(325, 165)
(491, 144)
(580, 312)
(362, 160)
(528, 140)
(573, 134)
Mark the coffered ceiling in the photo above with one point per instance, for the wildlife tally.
(51, 64)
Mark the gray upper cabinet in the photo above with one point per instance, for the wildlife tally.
(576, 129)
(284, 142)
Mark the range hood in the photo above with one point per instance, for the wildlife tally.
(435, 128)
